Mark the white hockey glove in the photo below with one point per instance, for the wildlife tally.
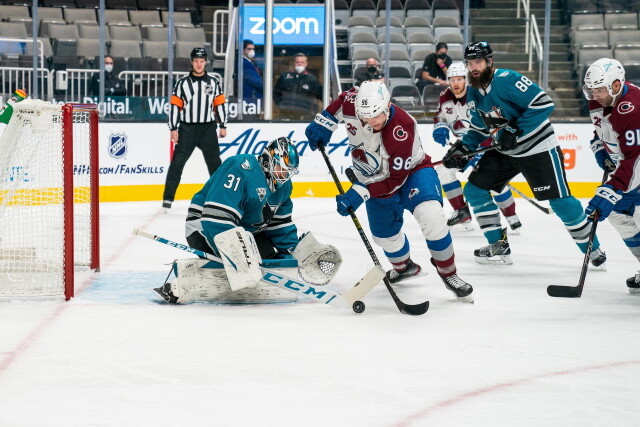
(317, 263)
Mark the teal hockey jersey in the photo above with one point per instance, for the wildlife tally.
(514, 97)
(237, 194)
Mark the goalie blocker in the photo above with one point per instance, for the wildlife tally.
(196, 280)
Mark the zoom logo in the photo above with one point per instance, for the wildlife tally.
(307, 26)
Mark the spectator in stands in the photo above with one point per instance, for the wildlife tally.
(296, 92)
(113, 86)
(252, 85)
(370, 71)
(434, 69)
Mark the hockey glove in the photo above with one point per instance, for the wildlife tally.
(320, 130)
(602, 156)
(352, 199)
(508, 139)
(441, 133)
(454, 159)
(605, 199)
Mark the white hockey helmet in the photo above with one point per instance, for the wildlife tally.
(457, 69)
(603, 73)
(372, 99)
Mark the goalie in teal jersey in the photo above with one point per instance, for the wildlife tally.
(245, 209)
(515, 111)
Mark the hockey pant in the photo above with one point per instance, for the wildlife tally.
(421, 196)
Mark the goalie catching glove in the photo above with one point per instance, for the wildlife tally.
(317, 263)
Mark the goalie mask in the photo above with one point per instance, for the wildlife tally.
(603, 73)
(279, 161)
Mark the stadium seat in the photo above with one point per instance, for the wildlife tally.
(121, 4)
(88, 4)
(447, 13)
(453, 37)
(144, 17)
(86, 31)
(587, 20)
(420, 8)
(155, 49)
(363, 54)
(614, 21)
(364, 8)
(431, 97)
(185, 5)
(179, 64)
(394, 21)
(144, 64)
(397, 9)
(120, 32)
(80, 16)
(152, 4)
(13, 29)
(587, 56)
(178, 18)
(624, 37)
(627, 54)
(125, 48)
(590, 38)
(443, 4)
(58, 3)
(116, 17)
(456, 51)
(360, 21)
(406, 96)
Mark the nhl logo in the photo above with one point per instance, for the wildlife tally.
(208, 89)
(117, 145)
(262, 192)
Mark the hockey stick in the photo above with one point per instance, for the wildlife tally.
(576, 291)
(350, 298)
(414, 310)
(529, 199)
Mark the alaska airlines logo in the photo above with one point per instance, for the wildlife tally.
(364, 162)
(117, 147)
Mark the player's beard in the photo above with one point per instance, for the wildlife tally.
(483, 80)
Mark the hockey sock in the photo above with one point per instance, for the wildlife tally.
(442, 255)
(570, 211)
(505, 202)
(453, 191)
(396, 249)
(485, 210)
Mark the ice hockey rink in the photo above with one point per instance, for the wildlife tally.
(116, 355)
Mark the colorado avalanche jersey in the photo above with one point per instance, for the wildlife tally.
(237, 194)
(618, 127)
(453, 112)
(514, 97)
(382, 159)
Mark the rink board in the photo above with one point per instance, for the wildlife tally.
(134, 158)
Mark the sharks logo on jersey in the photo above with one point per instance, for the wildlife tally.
(262, 192)
(494, 119)
(364, 162)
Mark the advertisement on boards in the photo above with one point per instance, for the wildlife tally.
(137, 154)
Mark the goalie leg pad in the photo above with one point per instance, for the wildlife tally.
(240, 257)
(318, 263)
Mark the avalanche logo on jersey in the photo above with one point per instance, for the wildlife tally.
(262, 192)
(625, 107)
(117, 145)
(400, 134)
(364, 162)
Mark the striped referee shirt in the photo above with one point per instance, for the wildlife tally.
(197, 100)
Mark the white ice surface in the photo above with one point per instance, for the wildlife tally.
(115, 356)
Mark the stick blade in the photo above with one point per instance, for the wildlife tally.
(415, 309)
(564, 291)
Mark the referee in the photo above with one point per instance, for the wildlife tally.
(196, 104)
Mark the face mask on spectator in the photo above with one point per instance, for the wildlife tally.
(251, 53)
(300, 68)
(373, 69)
(108, 68)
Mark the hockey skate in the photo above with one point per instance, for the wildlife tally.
(461, 220)
(166, 205)
(633, 283)
(497, 253)
(598, 258)
(514, 224)
(459, 287)
(412, 269)
(165, 293)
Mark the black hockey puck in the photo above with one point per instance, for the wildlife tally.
(358, 307)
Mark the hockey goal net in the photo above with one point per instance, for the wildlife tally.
(48, 198)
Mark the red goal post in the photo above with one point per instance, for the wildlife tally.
(49, 198)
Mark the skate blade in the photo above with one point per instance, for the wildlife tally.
(601, 267)
(634, 291)
(462, 227)
(408, 279)
(468, 299)
(515, 232)
(495, 260)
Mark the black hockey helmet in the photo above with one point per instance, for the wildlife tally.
(478, 50)
(198, 52)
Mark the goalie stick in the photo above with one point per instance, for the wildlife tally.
(415, 309)
(529, 199)
(576, 291)
(350, 298)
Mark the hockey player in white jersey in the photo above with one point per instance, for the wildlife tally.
(453, 118)
(394, 174)
(513, 108)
